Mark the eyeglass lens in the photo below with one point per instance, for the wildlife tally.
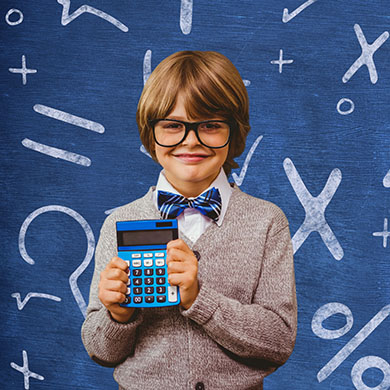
(211, 133)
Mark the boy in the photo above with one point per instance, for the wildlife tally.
(236, 322)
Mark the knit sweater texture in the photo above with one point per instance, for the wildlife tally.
(240, 328)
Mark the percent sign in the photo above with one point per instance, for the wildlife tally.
(362, 364)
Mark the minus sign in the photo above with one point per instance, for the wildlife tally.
(56, 153)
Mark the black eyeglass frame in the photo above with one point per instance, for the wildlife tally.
(192, 126)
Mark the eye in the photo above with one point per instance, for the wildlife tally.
(170, 125)
(210, 126)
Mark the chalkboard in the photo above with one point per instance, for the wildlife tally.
(317, 74)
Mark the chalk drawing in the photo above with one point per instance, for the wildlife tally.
(332, 308)
(350, 110)
(23, 70)
(56, 153)
(288, 16)
(144, 151)
(385, 234)
(88, 256)
(186, 16)
(386, 180)
(364, 364)
(16, 22)
(147, 68)
(326, 311)
(315, 209)
(281, 62)
(68, 118)
(26, 371)
(21, 304)
(66, 18)
(239, 179)
(366, 58)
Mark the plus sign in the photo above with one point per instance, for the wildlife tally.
(385, 234)
(26, 371)
(281, 62)
(23, 70)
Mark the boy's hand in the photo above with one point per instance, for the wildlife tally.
(113, 287)
(183, 271)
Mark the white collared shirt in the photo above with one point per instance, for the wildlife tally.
(192, 223)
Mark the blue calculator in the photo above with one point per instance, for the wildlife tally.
(143, 245)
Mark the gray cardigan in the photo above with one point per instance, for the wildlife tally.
(240, 328)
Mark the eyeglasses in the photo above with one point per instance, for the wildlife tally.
(172, 132)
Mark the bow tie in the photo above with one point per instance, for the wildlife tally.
(172, 205)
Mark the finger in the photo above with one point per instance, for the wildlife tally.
(117, 262)
(179, 244)
(111, 297)
(114, 285)
(176, 254)
(115, 274)
(177, 267)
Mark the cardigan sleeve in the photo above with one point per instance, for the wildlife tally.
(266, 328)
(107, 342)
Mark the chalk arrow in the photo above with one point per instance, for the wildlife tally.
(288, 16)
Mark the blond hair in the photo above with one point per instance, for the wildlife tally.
(211, 87)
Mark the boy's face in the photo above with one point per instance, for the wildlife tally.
(190, 167)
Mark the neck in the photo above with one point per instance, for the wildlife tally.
(191, 189)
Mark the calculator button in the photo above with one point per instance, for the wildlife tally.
(137, 290)
(172, 293)
(149, 290)
(136, 263)
(148, 263)
(127, 262)
(137, 281)
(160, 262)
(128, 281)
(160, 271)
(148, 255)
(127, 300)
(137, 272)
(128, 291)
(159, 254)
(160, 280)
(149, 299)
(148, 280)
(160, 289)
(148, 271)
(137, 299)
(161, 298)
(136, 255)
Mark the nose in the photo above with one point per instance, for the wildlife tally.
(191, 138)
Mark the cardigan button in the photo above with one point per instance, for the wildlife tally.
(197, 255)
(199, 386)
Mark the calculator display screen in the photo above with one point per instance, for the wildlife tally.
(145, 237)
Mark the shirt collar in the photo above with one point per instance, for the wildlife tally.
(221, 183)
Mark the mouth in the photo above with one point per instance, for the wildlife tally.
(191, 157)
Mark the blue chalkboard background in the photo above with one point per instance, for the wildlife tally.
(318, 127)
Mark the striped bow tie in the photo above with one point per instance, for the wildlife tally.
(172, 205)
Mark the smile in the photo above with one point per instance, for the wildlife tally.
(191, 157)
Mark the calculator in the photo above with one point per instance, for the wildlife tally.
(143, 245)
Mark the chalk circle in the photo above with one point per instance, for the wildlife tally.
(88, 256)
(326, 311)
(364, 364)
(345, 100)
(16, 22)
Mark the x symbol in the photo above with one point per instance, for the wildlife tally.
(315, 209)
(366, 58)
